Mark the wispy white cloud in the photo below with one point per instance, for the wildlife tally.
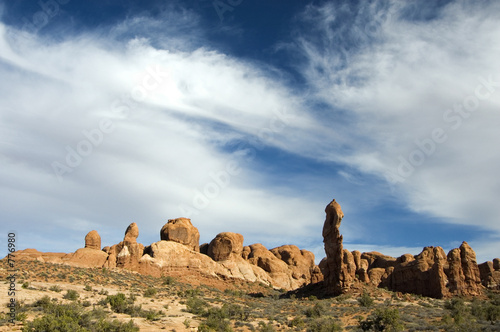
(400, 82)
(100, 131)
(174, 107)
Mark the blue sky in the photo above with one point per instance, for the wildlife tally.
(250, 116)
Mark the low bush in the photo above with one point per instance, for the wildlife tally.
(71, 295)
(150, 292)
(316, 311)
(55, 288)
(382, 320)
(196, 305)
(365, 300)
(323, 324)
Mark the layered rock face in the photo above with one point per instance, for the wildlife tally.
(181, 230)
(338, 277)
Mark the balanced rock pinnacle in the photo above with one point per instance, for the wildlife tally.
(338, 276)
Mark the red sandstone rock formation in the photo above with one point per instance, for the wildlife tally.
(93, 240)
(181, 230)
(226, 246)
(127, 253)
(338, 274)
(430, 273)
(424, 275)
(300, 264)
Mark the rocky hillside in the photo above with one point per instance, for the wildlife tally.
(431, 273)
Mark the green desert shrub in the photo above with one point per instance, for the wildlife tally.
(383, 320)
(365, 300)
(71, 295)
(316, 311)
(118, 302)
(196, 305)
(324, 324)
(150, 292)
(297, 322)
(215, 320)
(263, 327)
(168, 280)
(55, 288)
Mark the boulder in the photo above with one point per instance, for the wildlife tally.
(263, 258)
(496, 264)
(93, 240)
(378, 260)
(204, 248)
(181, 230)
(485, 269)
(246, 252)
(300, 263)
(226, 246)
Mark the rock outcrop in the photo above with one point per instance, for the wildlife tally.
(226, 246)
(181, 230)
(93, 240)
(496, 264)
(490, 274)
(431, 273)
(337, 276)
(127, 253)
(86, 257)
(472, 278)
(300, 263)
(424, 275)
